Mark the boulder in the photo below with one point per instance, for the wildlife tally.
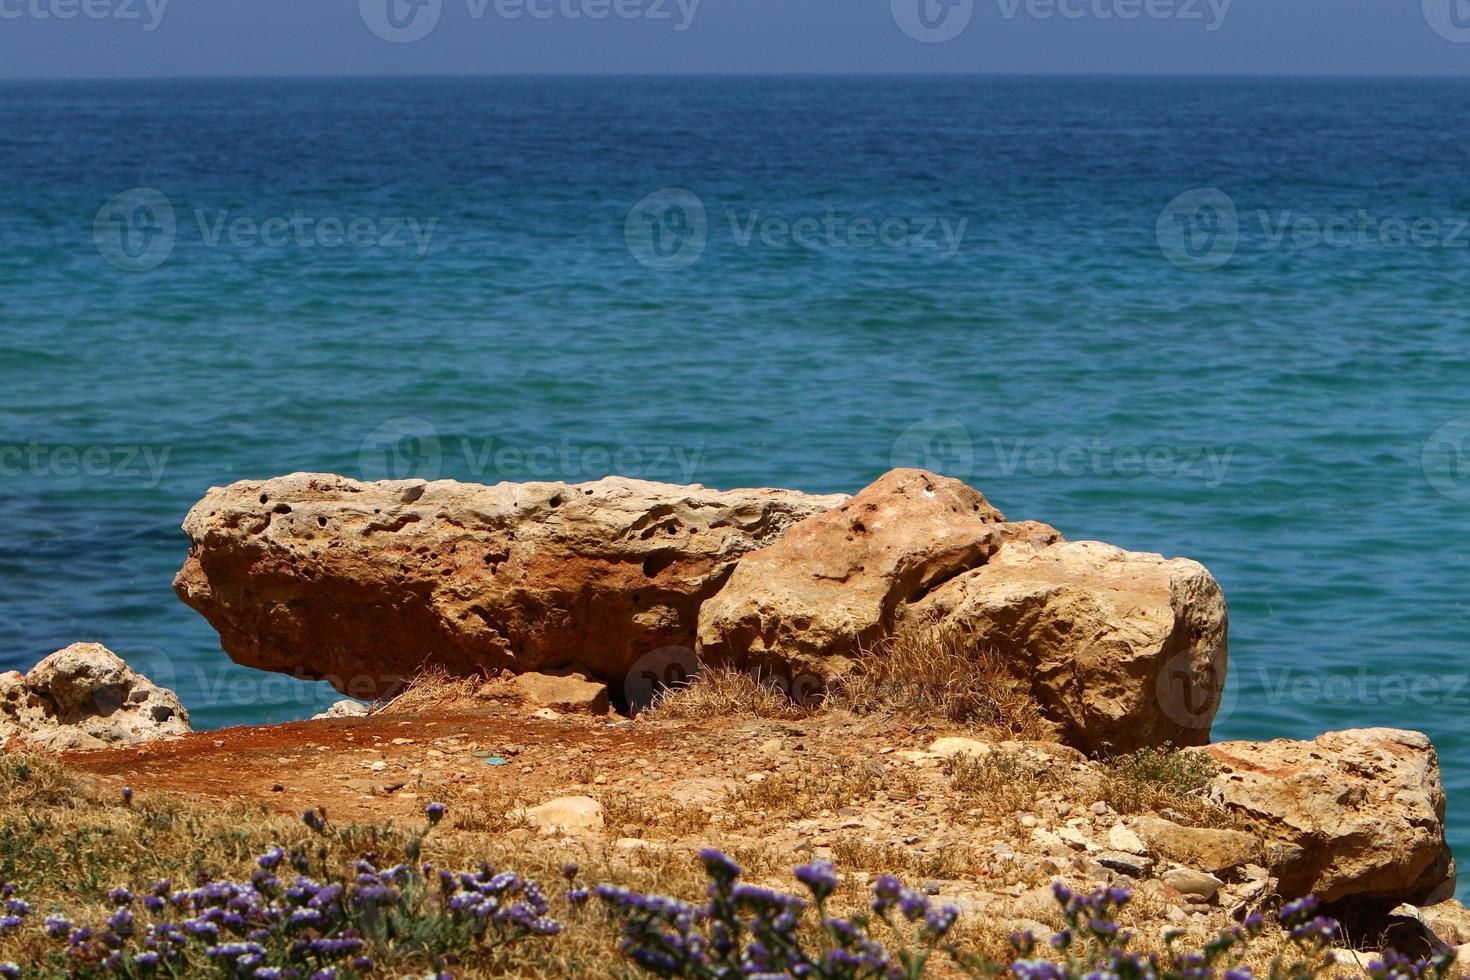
(833, 584)
(1208, 849)
(84, 697)
(364, 584)
(1352, 817)
(1123, 650)
(570, 692)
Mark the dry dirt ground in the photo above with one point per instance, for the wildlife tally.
(865, 793)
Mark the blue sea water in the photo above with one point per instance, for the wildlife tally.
(1107, 303)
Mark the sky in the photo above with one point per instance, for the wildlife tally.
(192, 38)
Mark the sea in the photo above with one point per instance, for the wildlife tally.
(1218, 318)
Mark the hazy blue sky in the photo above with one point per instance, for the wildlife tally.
(336, 37)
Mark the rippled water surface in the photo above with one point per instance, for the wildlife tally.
(1295, 418)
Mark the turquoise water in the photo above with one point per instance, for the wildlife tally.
(1035, 318)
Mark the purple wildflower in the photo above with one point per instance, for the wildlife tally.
(819, 878)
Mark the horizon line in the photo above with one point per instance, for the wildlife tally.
(549, 75)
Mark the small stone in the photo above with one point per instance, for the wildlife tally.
(568, 815)
(1192, 884)
(343, 709)
(1120, 838)
(948, 748)
(1132, 865)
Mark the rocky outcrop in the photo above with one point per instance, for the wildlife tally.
(367, 584)
(833, 584)
(1353, 817)
(1124, 650)
(86, 697)
(363, 584)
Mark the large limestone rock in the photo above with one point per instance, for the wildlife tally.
(84, 697)
(364, 583)
(810, 601)
(1124, 650)
(1353, 817)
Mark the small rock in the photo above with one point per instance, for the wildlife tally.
(1125, 863)
(343, 709)
(1210, 850)
(1076, 838)
(568, 815)
(948, 748)
(631, 844)
(1192, 884)
(1122, 839)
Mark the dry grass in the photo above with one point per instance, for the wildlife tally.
(1001, 784)
(941, 672)
(29, 781)
(804, 790)
(639, 816)
(721, 692)
(911, 864)
(1168, 782)
(434, 689)
(66, 845)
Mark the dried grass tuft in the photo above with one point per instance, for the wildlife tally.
(720, 692)
(938, 672)
(434, 689)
